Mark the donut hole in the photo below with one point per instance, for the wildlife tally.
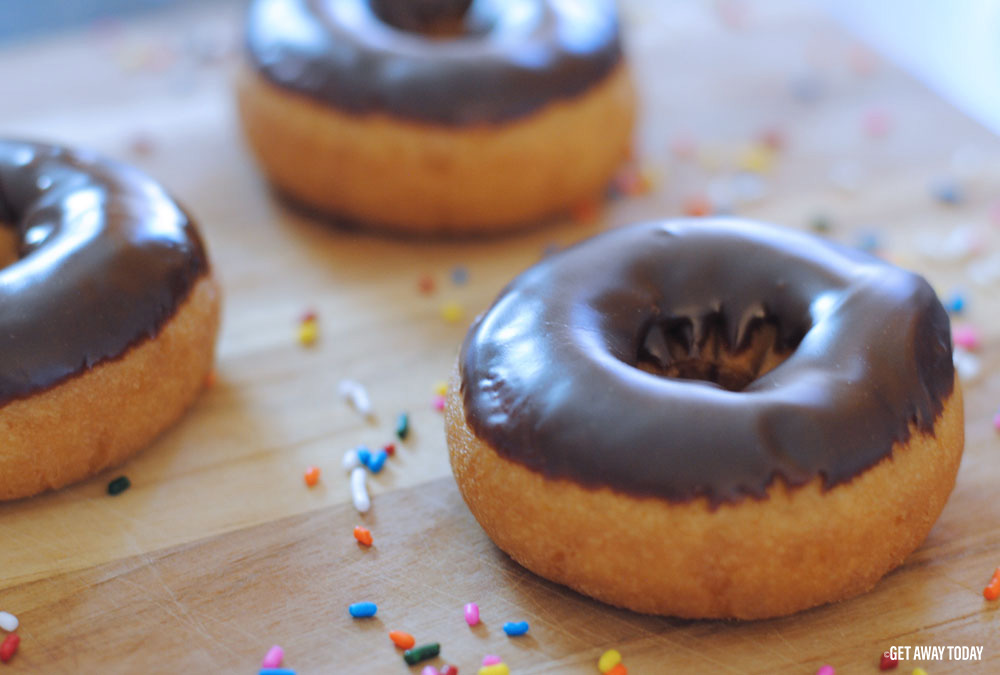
(434, 19)
(674, 349)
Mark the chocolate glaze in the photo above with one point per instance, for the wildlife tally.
(550, 379)
(105, 258)
(511, 58)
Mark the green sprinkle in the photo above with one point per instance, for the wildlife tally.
(421, 653)
(403, 426)
(119, 485)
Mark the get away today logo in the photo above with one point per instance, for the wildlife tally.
(935, 653)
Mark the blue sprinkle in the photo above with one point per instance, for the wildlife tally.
(955, 303)
(869, 242)
(364, 455)
(377, 461)
(946, 191)
(276, 671)
(459, 275)
(515, 628)
(363, 610)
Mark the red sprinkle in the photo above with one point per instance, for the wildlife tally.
(390, 449)
(887, 662)
(697, 206)
(449, 670)
(9, 646)
(309, 315)
(363, 535)
(992, 590)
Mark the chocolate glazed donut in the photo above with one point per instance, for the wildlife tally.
(709, 372)
(107, 265)
(437, 104)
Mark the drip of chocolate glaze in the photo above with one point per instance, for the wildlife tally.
(508, 59)
(552, 378)
(105, 258)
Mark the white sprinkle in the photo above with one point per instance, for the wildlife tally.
(359, 491)
(967, 364)
(8, 622)
(355, 394)
(351, 460)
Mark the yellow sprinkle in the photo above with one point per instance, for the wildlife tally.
(609, 660)
(452, 312)
(495, 669)
(919, 671)
(308, 332)
(757, 158)
(440, 387)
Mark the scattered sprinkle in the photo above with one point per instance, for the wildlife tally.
(491, 660)
(996, 421)
(452, 312)
(826, 670)
(609, 660)
(308, 329)
(772, 139)
(363, 610)
(354, 393)
(992, 590)
(364, 455)
(967, 337)
(403, 426)
(425, 284)
(586, 211)
(806, 87)
(449, 670)
(946, 191)
(141, 145)
(377, 461)
(273, 658)
(471, 613)
(430, 670)
(955, 302)
(351, 460)
(632, 182)
(401, 639)
(967, 364)
(459, 275)
(8, 622)
(390, 449)
(495, 669)
(438, 402)
(422, 653)
(869, 241)
(820, 223)
(311, 476)
(359, 491)
(9, 647)
(276, 671)
(515, 628)
(887, 662)
(757, 158)
(440, 387)
(697, 206)
(210, 379)
(364, 537)
(119, 485)
(876, 122)
(620, 669)
(919, 671)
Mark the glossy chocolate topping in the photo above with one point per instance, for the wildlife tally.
(508, 58)
(556, 375)
(105, 258)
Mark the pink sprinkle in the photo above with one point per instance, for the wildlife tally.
(826, 670)
(877, 122)
(429, 670)
(438, 402)
(472, 614)
(273, 657)
(966, 337)
(996, 421)
(491, 660)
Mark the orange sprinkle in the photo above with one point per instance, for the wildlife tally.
(697, 206)
(311, 476)
(364, 536)
(620, 669)
(210, 379)
(586, 211)
(401, 639)
(992, 590)
(425, 284)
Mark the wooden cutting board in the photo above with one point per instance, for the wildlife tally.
(219, 550)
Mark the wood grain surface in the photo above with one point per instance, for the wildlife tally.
(219, 550)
